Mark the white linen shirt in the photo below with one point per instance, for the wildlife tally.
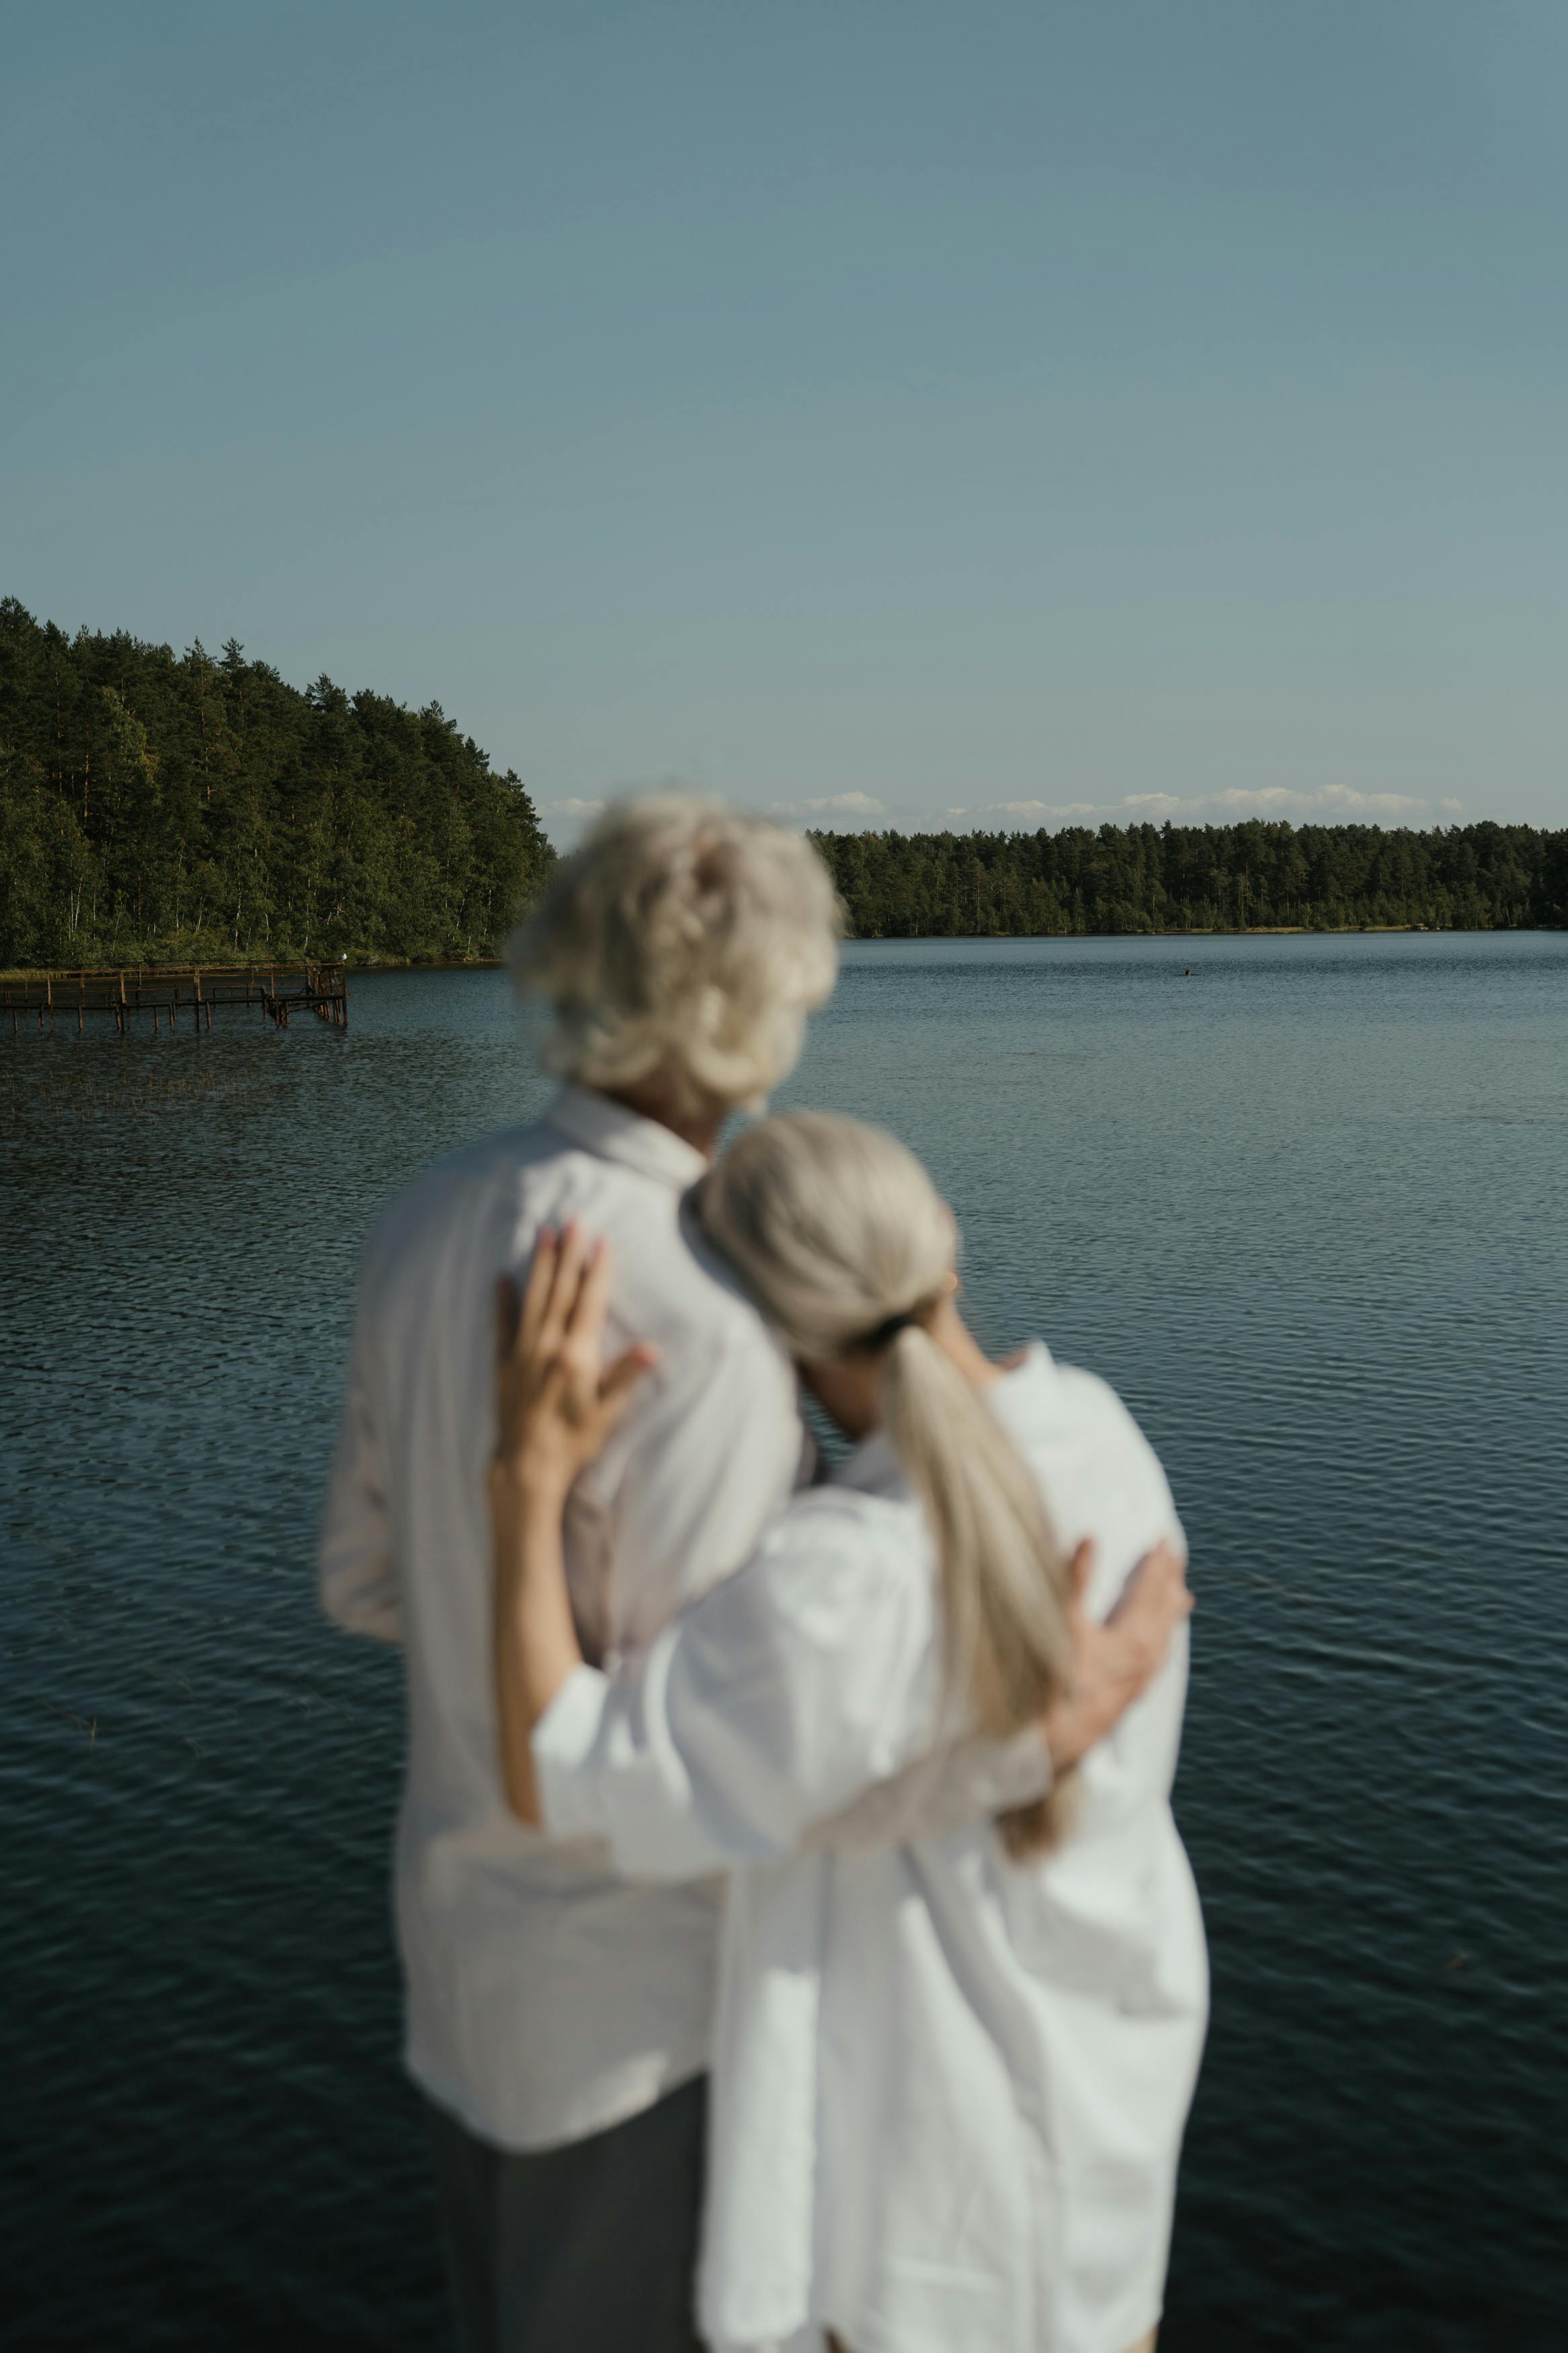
(546, 1998)
(948, 2091)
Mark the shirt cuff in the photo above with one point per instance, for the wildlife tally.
(562, 1742)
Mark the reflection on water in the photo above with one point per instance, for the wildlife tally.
(1305, 1207)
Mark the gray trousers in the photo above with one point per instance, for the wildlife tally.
(588, 2248)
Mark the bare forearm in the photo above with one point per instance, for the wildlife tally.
(536, 1645)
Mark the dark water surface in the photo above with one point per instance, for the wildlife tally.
(1307, 1209)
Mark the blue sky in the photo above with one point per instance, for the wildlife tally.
(868, 411)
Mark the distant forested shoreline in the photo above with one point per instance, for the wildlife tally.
(1255, 876)
(156, 806)
(191, 807)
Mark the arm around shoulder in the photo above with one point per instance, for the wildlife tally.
(770, 1702)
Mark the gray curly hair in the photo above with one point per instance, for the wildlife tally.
(684, 944)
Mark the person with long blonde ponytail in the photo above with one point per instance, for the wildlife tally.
(827, 1221)
(952, 2062)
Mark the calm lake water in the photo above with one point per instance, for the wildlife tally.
(1307, 1209)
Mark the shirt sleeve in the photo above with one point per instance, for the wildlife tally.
(969, 1782)
(1119, 1494)
(357, 1571)
(768, 1704)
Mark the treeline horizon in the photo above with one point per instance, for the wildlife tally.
(156, 806)
(1256, 875)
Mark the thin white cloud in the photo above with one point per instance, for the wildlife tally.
(852, 810)
(1040, 812)
(846, 805)
(1326, 800)
(1257, 799)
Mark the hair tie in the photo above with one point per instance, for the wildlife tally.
(870, 1342)
(881, 1335)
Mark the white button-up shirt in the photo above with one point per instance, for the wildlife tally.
(947, 2089)
(546, 1998)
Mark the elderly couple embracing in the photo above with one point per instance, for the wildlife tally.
(798, 1946)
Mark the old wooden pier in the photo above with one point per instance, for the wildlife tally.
(168, 994)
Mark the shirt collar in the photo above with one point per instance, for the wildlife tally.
(613, 1132)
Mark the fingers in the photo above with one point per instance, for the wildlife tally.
(620, 1379)
(571, 1255)
(585, 1318)
(1156, 1589)
(555, 1335)
(585, 1309)
(582, 1348)
(536, 1295)
(1169, 1564)
(1081, 1567)
(1151, 1610)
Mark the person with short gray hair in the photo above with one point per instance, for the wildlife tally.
(680, 952)
(559, 2017)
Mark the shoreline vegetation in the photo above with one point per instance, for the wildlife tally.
(498, 963)
(161, 808)
(1259, 876)
(157, 808)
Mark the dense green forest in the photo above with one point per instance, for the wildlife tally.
(1146, 878)
(155, 806)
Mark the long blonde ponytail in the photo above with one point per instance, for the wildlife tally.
(847, 1247)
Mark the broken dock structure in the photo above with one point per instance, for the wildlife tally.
(171, 994)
